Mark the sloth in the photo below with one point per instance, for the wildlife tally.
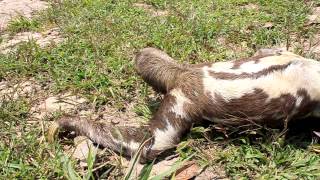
(271, 88)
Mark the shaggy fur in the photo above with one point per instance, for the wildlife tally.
(270, 89)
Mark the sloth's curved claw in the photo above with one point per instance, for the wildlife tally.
(52, 132)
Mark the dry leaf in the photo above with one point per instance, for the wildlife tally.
(190, 170)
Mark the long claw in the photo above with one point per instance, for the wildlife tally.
(52, 132)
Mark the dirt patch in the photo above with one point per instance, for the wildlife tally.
(60, 103)
(12, 91)
(314, 17)
(150, 9)
(312, 46)
(232, 49)
(43, 39)
(12, 8)
(83, 148)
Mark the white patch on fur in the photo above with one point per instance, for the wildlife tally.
(299, 100)
(181, 100)
(302, 73)
(164, 138)
(221, 66)
(252, 66)
(132, 146)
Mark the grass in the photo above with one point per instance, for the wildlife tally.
(270, 162)
(95, 61)
(22, 154)
(259, 155)
(23, 24)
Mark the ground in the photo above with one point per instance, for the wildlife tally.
(75, 57)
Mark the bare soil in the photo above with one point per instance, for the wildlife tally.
(12, 8)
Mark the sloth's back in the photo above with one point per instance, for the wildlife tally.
(262, 89)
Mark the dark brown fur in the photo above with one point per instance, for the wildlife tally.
(254, 107)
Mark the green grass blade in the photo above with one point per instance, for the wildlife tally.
(146, 170)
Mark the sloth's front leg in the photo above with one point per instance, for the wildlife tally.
(165, 130)
(170, 123)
